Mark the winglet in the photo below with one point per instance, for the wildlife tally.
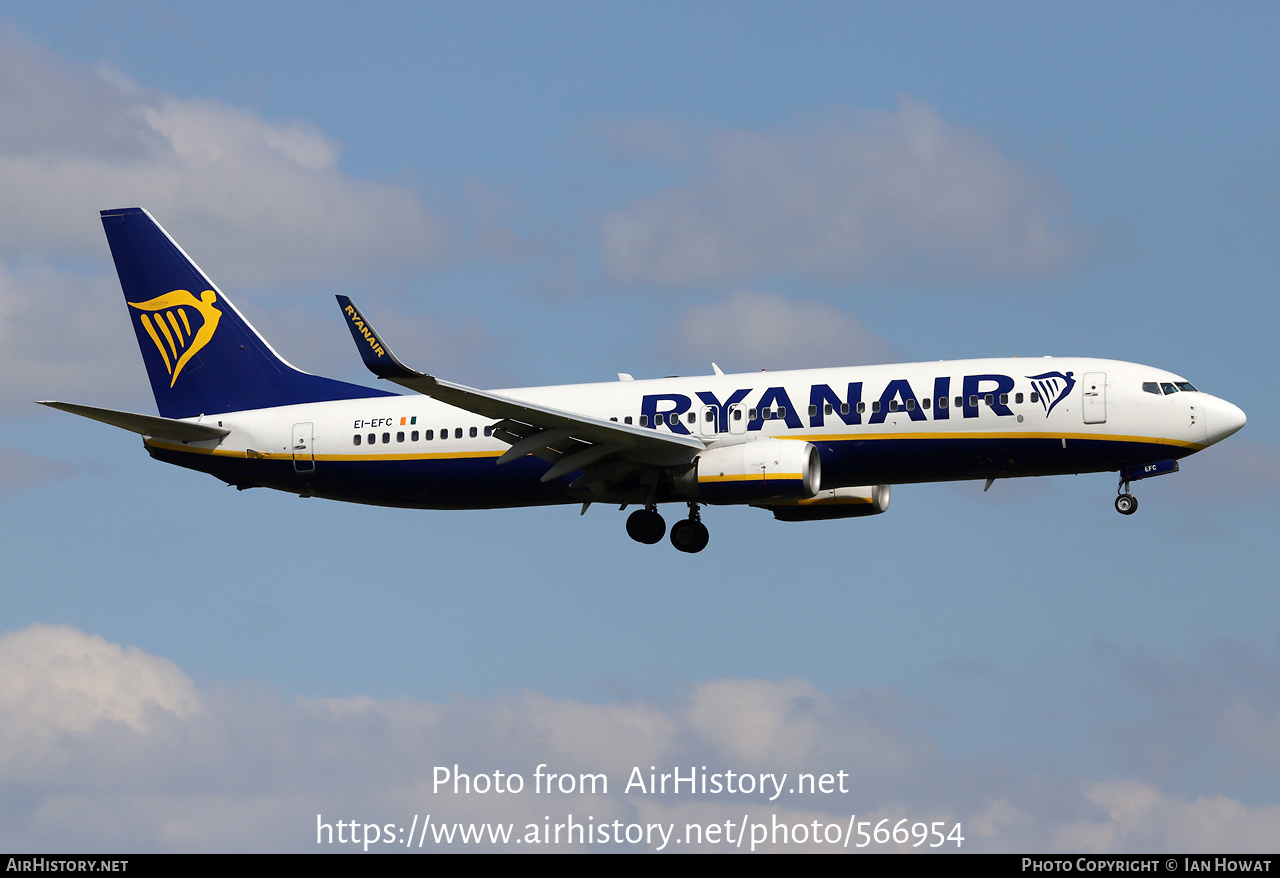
(376, 355)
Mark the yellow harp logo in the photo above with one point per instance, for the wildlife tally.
(166, 320)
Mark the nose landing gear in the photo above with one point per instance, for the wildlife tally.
(690, 535)
(1126, 504)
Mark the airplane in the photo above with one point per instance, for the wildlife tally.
(805, 445)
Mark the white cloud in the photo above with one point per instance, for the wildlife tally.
(264, 200)
(753, 330)
(65, 335)
(254, 201)
(104, 747)
(898, 196)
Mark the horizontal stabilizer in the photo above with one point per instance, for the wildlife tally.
(147, 425)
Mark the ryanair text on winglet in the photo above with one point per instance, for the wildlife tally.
(364, 330)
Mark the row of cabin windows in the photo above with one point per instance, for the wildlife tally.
(767, 414)
(781, 411)
(425, 435)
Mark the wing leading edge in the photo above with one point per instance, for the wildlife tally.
(605, 450)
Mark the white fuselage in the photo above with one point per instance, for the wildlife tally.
(884, 424)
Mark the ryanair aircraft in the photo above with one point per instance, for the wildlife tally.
(805, 445)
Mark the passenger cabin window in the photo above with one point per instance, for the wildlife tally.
(844, 408)
(1035, 397)
(488, 431)
(813, 410)
(942, 402)
(924, 403)
(1017, 397)
(644, 420)
(386, 438)
(373, 437)
(429, 435)
(457, 432)
(875, 406)
(356, 439)
(413, 437)
(627, 419)
(693, 418)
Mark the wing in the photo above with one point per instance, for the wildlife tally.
(606, 451)
(146, 425)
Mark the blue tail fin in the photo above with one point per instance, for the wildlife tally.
(201, 355)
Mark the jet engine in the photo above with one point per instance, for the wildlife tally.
(833, 503)
(756, 472)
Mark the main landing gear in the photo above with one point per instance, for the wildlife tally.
(647, 526)
(690, 535)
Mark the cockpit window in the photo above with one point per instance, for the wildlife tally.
(1187, 386)
(1168, 388)
(1151, 387)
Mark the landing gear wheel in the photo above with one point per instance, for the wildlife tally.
(1126, 504)
(646, 526)
(690, 536)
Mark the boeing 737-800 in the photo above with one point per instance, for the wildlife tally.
(805, 445)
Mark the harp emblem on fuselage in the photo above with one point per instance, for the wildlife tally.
(1053, 388)
(180, 325)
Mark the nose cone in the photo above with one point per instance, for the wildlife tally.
(1221, 419)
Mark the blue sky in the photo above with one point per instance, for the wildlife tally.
(557, 193)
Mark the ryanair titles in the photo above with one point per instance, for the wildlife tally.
(898, 397)
(358, 322)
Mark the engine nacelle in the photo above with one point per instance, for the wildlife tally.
(833, 503)
(757, 472)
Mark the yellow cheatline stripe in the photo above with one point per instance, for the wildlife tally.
(285, 455)
(424, 456)
(829, 501)
(759, 477)
(1008, 434)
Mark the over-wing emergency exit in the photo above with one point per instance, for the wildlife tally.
(804, 445)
